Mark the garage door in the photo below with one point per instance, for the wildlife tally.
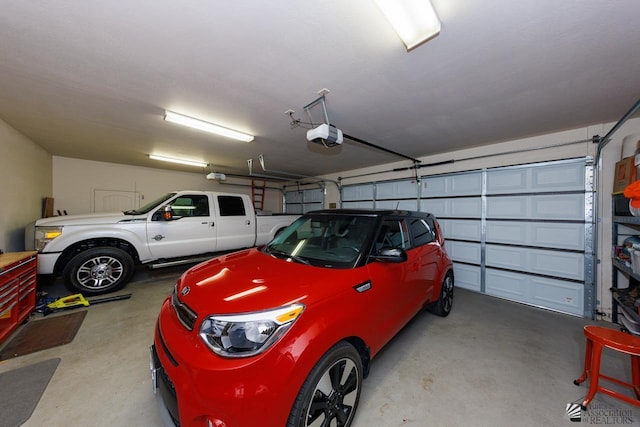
(303, 201)
(523, 233)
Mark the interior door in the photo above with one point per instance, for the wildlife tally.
(191, 232)
(115, 201)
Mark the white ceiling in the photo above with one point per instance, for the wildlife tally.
(91, 79)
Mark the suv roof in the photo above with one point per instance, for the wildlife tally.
(373, 212)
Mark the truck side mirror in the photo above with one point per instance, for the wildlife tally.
(167, 213)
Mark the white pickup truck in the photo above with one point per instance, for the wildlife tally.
(98, 253)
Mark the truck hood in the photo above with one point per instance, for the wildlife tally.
(89, 219)
(251, 280)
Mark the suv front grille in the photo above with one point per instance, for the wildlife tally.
(186, 316)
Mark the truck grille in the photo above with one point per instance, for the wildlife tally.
(186, 316)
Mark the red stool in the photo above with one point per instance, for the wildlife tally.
(598, 338)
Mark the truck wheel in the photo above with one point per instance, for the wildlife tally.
(98, 271)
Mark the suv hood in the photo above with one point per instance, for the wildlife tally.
(251, 280)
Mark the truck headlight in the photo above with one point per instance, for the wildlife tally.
(44, 235)
(244, 335)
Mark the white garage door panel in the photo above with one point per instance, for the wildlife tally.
(303, 201)
(396, 190)
(357, 205)
(506, 181)
(294, 196)
(567, 297)
(467, 276)
(410, 205)
(438, 207)
(556, 207)
(308, 207)
(557, 295)
(294, 209)
(561, 176)
(313, 196)
(506, 284)
(464, 251)
(568, 265)
(358, 192)
(467, 184)
(541, 234)
(461, 229)
(470, 207)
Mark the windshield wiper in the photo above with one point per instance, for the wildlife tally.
(285, 255)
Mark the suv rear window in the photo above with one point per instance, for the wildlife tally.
(422, 231)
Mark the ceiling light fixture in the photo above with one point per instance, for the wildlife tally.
(206, 126)
(415, 21)
(179, 161)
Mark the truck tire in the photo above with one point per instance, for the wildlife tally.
(98, 271)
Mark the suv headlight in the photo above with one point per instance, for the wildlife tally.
(243, 335)
(44, 235)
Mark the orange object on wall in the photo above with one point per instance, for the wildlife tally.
(625, 174)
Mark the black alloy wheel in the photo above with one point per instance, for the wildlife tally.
(329, 396)
(443, 306)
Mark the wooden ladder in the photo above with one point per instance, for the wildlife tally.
(257, 193)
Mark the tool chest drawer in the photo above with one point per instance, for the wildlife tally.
(17, 289)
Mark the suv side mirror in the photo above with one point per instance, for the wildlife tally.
(388, 254)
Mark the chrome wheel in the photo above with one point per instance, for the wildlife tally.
(98, 271)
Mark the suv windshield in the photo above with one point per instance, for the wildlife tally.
(324, 240)
(146, 208)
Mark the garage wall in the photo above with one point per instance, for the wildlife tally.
(25, 173)
(77, 183)
(529, 150)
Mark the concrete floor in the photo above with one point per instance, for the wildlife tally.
(490, 363)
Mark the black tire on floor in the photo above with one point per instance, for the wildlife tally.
(330, 394)
(442, 307)
(98, 271)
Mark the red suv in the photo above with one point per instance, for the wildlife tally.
(283, 335)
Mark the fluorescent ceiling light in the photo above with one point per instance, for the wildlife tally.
(206, 126)
(180, 161)
(415, 21)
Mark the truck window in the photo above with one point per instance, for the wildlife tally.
(192, 205)
(231, 206)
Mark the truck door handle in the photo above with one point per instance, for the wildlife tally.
(158, 237)
(213, 223)
(248, 222)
